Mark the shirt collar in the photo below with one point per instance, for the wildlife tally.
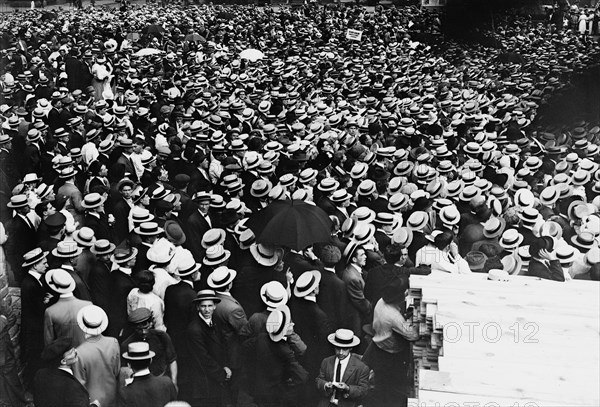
(207, 321)
(35, 274)
(66, 369)
(311, 298)
(143, 372)
(125, 270)
(331, 269)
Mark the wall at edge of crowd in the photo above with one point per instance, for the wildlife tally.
(11, 297)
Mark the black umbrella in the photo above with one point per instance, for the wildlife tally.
(292, 224)
(194, 38)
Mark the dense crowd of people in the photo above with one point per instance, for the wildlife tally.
(137, 144)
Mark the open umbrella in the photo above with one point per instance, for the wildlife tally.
(147, 51)
(252, 54)
(292, 224)
(194, 38)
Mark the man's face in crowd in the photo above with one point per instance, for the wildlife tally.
(206, 308)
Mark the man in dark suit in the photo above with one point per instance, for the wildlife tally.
(22, 235)
(208, 356)
(56, 386)
(178, 305)
(352, 276)
(144, 389)
(100, 279)
(95, 218)
(343, 379)
(122, 206)
(122, 284)
(334, 298)
(33, 304)
(312, 325)
(197, 224)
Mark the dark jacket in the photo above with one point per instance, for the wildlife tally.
(148, 391)
(58, 388)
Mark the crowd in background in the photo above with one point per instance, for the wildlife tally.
(136, 144)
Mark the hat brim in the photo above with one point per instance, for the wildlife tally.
(133, 254)
(214, 263)
(225, 283)
(154, 233)
(32, 262)
(88, 330)
(189, 272)
(111, 248)
(77, 252)
(85, 206)
(309, 289)
(150, 355)
(207, 298)
(59, 290)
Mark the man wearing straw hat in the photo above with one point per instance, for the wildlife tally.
(343, 378)
(205, 371)
(34, 299)
(144, 389)
(60, 319)
(99, 363)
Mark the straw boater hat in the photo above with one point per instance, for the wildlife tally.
(33, 257)
(215, 255)
(213, 237)
(59, 281)
(343, 338)
(66, 250)
(92, 320)
(306, 283)
(121, 256)
(278, 322)
(273, 294)
(511, 239)
(148, 229)
(84, 237)
(206, 295)
(138, 351)
(186, 265)
(221, 277)
(493, 228)
(93, 200)
(17, 201)
(363, 232)
(264, 255)
(102, 247)
(417, 220)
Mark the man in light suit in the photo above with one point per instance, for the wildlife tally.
(99, 360)
(60, 319)
(352, 276)
(230, 316)
(343, 379)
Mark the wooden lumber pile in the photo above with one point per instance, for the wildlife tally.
(511, 343)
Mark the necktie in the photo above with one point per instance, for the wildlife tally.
(337, 376)
(29, 223)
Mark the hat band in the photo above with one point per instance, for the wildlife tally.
(59, 285)
(35, 258)
(307, 286)
(138, 354)
(283, 323)
(188, 270)
(218, 258)
(271, 299)
(343, 340)
(511, 242)
(222, 281)
(91, 324)
(122, 257)
(152, 230)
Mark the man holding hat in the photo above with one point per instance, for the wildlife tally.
(205, 370)
(343, 379)
(98, 364)
(144, 388)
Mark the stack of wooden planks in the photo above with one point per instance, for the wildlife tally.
(511, 343)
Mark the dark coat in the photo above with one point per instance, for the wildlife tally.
(552, 271)
(230, 316)
(122, 284)
(273, 368)
(313, 326)
(333, 299)
(121, 211)
(32, 324)
(178, 312)
(379, 278)
(100, 283)
(194, 229)
(58, 388)
(21, 239)
(148, 391)
(100, 226)
(356, 376)
(202, 372)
